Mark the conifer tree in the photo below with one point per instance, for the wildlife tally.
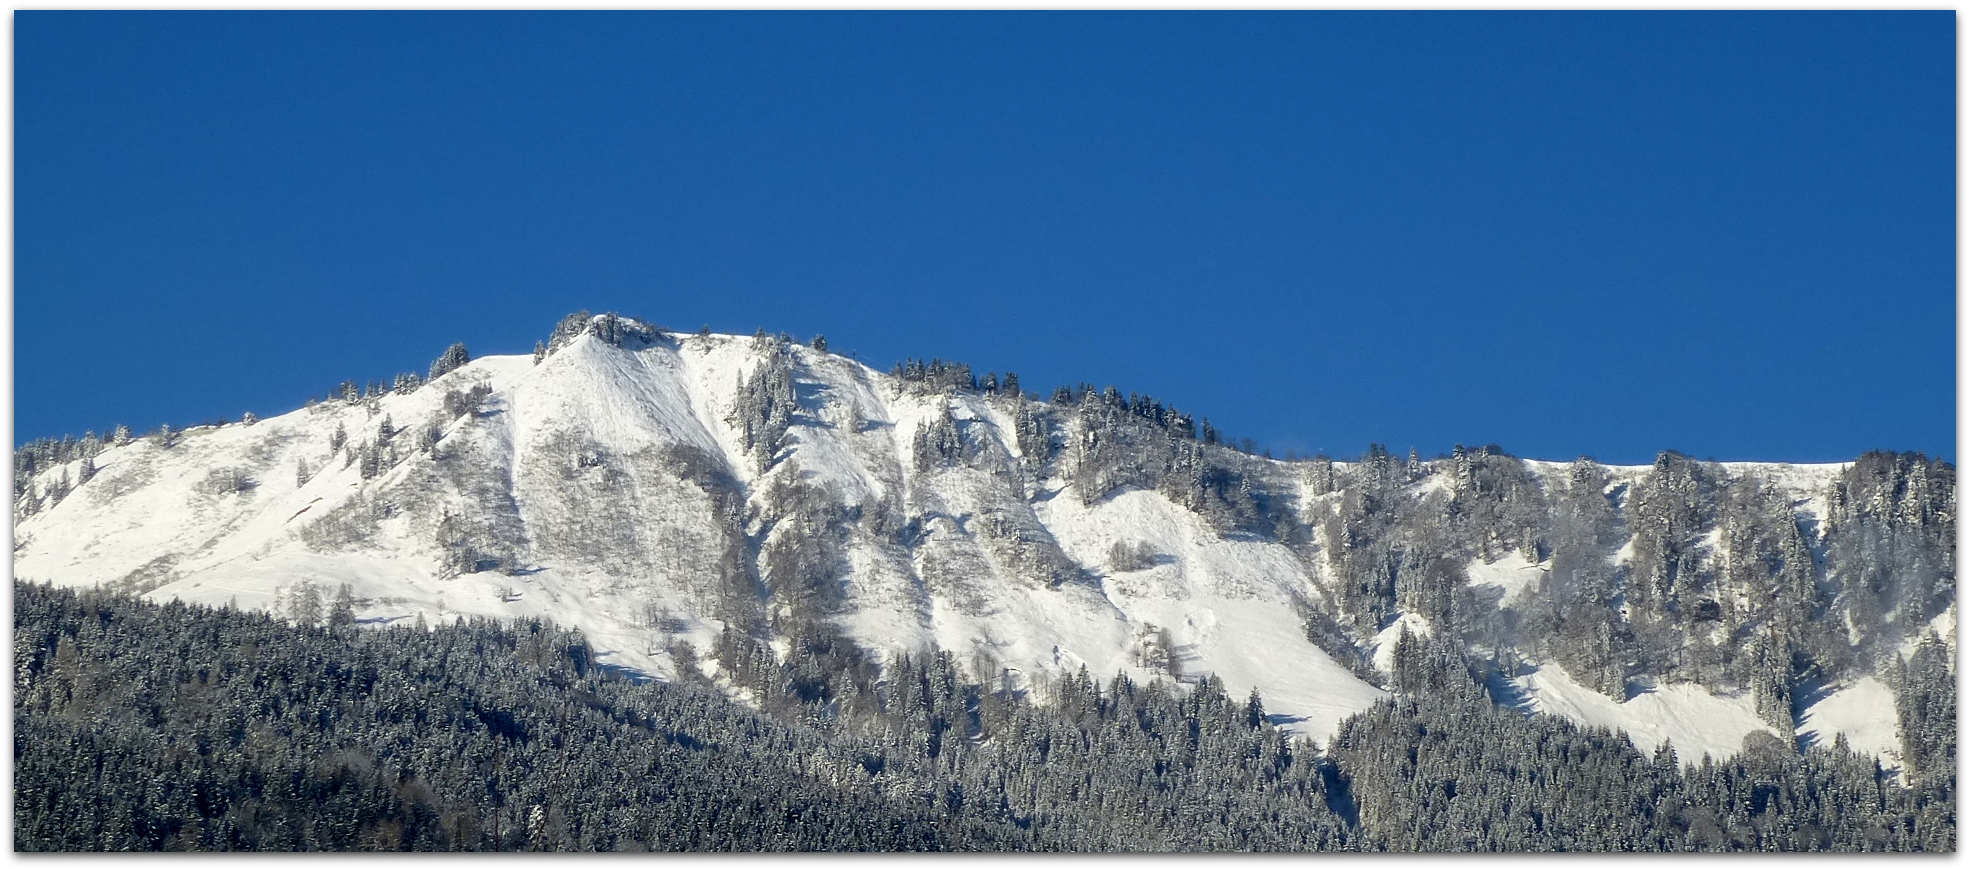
(451, 360)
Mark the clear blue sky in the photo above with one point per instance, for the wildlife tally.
(1727, 234)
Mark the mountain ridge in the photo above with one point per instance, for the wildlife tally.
(665, 492)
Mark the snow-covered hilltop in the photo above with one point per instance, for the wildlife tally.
(679, 497)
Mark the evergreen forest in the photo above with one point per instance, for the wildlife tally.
(144, 726)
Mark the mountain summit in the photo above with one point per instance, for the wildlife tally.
(697, 503)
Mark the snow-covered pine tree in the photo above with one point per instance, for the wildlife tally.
(343, 610)
(451, 360)
(570, 328)
(763, 408)
(937, 443)
(305, 605)
(428, 436)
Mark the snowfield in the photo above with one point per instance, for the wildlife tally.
(1511, 574)
(1855, 712)
(605, 486)
(1692, 720)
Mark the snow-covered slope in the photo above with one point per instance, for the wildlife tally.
(614, 486)
(588, 488)
(1692, 720)
(1855, 712)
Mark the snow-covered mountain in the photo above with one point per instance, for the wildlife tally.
(657, 490)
